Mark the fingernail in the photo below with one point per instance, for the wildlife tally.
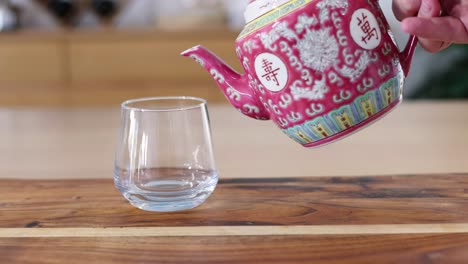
(426, 8)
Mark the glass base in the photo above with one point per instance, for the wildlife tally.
(170, 201)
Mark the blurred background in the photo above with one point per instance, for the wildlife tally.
(101, 52)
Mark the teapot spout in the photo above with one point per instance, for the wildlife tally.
(235, 86)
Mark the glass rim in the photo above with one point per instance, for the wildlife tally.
(201, 102)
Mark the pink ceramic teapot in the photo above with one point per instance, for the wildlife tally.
(320, 69)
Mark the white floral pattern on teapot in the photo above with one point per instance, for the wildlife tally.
(320, 69)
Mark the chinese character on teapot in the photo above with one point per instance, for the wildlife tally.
(320, 69)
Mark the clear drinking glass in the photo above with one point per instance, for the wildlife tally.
(164, 159)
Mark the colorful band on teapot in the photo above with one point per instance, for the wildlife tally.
(350, 116)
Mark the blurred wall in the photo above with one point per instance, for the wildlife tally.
(133, 14)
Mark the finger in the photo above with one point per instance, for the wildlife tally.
(433, 46)
(428, 9)
(448, 29)
(405, 8)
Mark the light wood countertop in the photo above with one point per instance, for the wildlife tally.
(271, 215)
(417, 138)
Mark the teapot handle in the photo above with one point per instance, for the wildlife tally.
(406, 56)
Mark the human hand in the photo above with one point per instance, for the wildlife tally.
(437, 23)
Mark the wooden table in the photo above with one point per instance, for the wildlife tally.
(394, 193)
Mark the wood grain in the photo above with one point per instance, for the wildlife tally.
(106, 67)
(109, 68)
(33, 70)
(382, 249)
(153, 56)
(32, 59)
(422, 199)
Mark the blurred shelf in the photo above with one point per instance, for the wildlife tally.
(110, 32)
(106, 66)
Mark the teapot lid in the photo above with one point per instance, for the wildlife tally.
(257, 8)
